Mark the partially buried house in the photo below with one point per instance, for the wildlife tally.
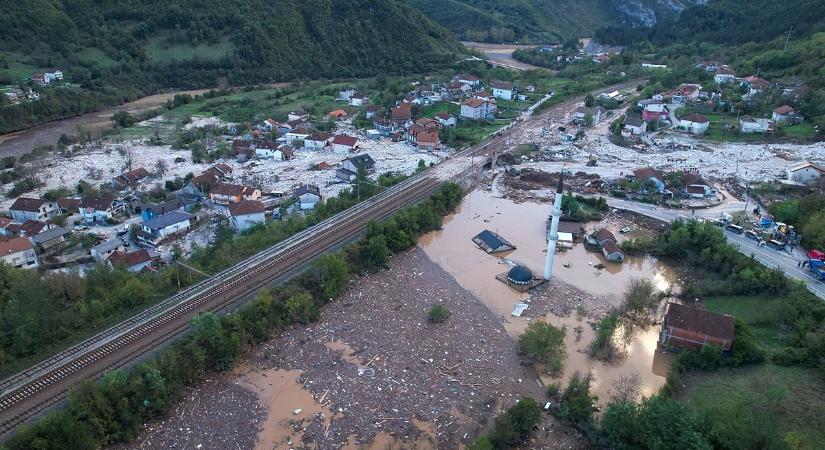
(688, 327)
(491, 242)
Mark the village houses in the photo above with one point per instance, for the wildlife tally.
(246, 214)
(344, 144)
(226, 193)
(308, 196)
(503, 89)
(477, 109)
(18, 252)
(25, 208)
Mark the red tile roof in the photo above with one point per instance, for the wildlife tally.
(343, 139)
(27, 204)
(701, 321)
(698, 118)
(15, 245)
(246, 207)
(784, 109)
(131, 259)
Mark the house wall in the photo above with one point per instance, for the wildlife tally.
(314, 145)
(22, 216)
(25, 259)
(338, 148)
(503, 94)
(246, 221)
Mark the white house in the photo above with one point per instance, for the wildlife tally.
(18, 252)
(445, 119)
(267, 125)
(25, 208)
(167, 224)
(748, 124)
(695, 123)
(266, 149)
(308, 196)
(466, 78)
(52, 75)
(503, 89)
(805, 172)
(477, 109)
(316, 141)
(346, 93)
(344, 144)
(358, 99)
(724, 75)
(100, 208)
(635, 125)
(783, 113)
(246, 214)
(298, 115)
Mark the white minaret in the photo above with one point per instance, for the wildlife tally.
(554, 229)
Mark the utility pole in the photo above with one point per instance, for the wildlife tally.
(787, 39)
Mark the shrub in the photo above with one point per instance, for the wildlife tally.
(602, 347)
(553, 389)
(301, 308)
(514, 426)
(577, 404)
(544, 343)
(438, 313)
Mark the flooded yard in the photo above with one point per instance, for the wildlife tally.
(575, 273)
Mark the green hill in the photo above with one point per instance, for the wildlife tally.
(120, 49)
(544, 20)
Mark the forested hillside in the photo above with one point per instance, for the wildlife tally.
(544, 20)
(112, 47)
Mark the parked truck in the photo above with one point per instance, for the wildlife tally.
(817, 268)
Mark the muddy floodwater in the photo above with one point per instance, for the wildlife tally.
(524, 225)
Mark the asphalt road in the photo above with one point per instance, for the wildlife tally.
(784, 261)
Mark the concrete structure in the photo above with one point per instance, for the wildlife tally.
(344, 144)
(783, 113)
(582, 115)
(503, 89)
(477, 109)
(316, 141)
(748, 124)
(101, 252)
(635, 125)
(554, 228)
(18, 252)
(49, 238)
(100, 208)
(724, 75)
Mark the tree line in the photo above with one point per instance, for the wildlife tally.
(113, 409)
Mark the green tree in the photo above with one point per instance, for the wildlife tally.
(514, 426)
(302, 308)
(577, 404)
(327, 277)
(544, 343)
(641, 300)
(589, 101)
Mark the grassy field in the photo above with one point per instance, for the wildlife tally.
(159, 51)
(96, 57)
(758, 312)
(432, 110)
(775, 407)
(718, 132)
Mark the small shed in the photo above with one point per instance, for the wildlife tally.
(492, 242)
(688, 327)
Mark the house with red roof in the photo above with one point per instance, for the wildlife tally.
(344, 144)
(18, 252)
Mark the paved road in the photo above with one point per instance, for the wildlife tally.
(769, 257)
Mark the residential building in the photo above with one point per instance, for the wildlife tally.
(68, 205)
(688, 327)
(445, 119)
(401, 114)
(308, 196)
(695, 123)
(246, 214)
(5, 227)
(466, 78)
(477, 109)
(137, 261)
(724, 75)
(649, 179)
(222, 170)
(49, 238)
(298, 115)
(748, 124)
(346, 93)
(634, 125)
(783, 113)
(225, 193)
(603, 236)
(358, 99)
(503, 89)
(344, 144)
(755, 84)
(100, 208)
(383, 126)
(18, 252)
(805, 172)
(130, 178)
(200, 185)
(612, 252)
(268, 125)
(370, 111)
(492, 242)
(584, 115)
(316, 141)
(101, 252)
(653, 112)
(31, 227)
(428, 140)
(167, 224)
(152, 210)
(266, 149)
(26, 208)
(52, 75)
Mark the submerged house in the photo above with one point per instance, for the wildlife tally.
(491, 242)
(688, 327)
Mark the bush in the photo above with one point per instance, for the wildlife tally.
(544, 343)
(514, 426)
(301, 308)
(602, 347)
(438, 313)
(577, 404)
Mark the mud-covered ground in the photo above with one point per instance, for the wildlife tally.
(420, 385)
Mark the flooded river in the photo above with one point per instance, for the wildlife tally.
(524, 225)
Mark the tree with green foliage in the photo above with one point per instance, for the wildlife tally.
(326, 277)
(544, 343)
(589, 101)
(641, 300)
(658, 423)
(302, 308)
(514, 426)
(577, 404)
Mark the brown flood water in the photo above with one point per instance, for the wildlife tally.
(524, 225)
(282, 395)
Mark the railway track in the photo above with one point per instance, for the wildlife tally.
(122, 344)
(32, 391)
